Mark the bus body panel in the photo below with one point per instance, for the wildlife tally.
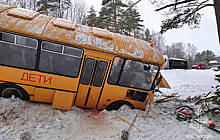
(63, 100)
(112, 93)
(44, 95)
(39, 79)
(30, 90)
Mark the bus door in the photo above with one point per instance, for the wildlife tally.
(91, 82)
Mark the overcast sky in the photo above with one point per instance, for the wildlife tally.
(203, 38)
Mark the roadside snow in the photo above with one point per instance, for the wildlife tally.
(37, 121)
(189, 82)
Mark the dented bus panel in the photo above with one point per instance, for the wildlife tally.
(60, 62)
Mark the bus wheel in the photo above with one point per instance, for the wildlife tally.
(116, 105)
(8, 90)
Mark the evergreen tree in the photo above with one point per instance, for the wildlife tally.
(56, 8)
(91, 17)
(129, 23)
(109, 14)
(105, 19)
(147, 35)
(205, 56)
(47, 6)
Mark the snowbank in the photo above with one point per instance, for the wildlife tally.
(37, 121)
(189, 82)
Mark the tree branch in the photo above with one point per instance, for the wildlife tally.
(133, 5)
(174, 4)
(196, 11)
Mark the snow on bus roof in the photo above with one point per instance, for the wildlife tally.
(46, 27)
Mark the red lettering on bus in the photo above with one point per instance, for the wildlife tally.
(40, 77)
(32, 77)
(23, 76)
(45, 80)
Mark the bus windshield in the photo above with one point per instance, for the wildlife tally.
(133, 74)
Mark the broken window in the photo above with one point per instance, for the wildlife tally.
(132, 74)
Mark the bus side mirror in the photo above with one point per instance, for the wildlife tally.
(159, 80)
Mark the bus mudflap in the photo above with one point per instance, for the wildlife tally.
(63, 100)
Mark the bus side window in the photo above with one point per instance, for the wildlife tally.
(55, 56)
(88, 69)
(52, 47)
(73, 51)
(15, 55)
(26, 41)
(100, 73)
(8, 37)
(115, 70)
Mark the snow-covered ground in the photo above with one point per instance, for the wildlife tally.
(189, 82)
(37, 121)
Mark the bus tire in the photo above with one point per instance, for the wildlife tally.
(7, 90)
(116, 105)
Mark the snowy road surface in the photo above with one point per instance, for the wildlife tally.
(38, 121)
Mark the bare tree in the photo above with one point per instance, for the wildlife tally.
(159, 41)
(22, 3)
(78, 11)
(27, 4)
(182, 12)
(177, 50)
(190, 54)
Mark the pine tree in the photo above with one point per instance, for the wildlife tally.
(105, 19)
(46, 6)
(130, 23)
(91, 17)
(109, 14)
(147, 35)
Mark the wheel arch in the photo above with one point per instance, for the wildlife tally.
(25, 95)
(117, 104)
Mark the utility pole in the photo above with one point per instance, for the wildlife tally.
(217, 14)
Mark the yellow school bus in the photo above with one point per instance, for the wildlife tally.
(51, 60)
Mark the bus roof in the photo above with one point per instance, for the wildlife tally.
(32, 23)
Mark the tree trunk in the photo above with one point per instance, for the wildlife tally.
(217, 14)
(115, 17)
(59, 7)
